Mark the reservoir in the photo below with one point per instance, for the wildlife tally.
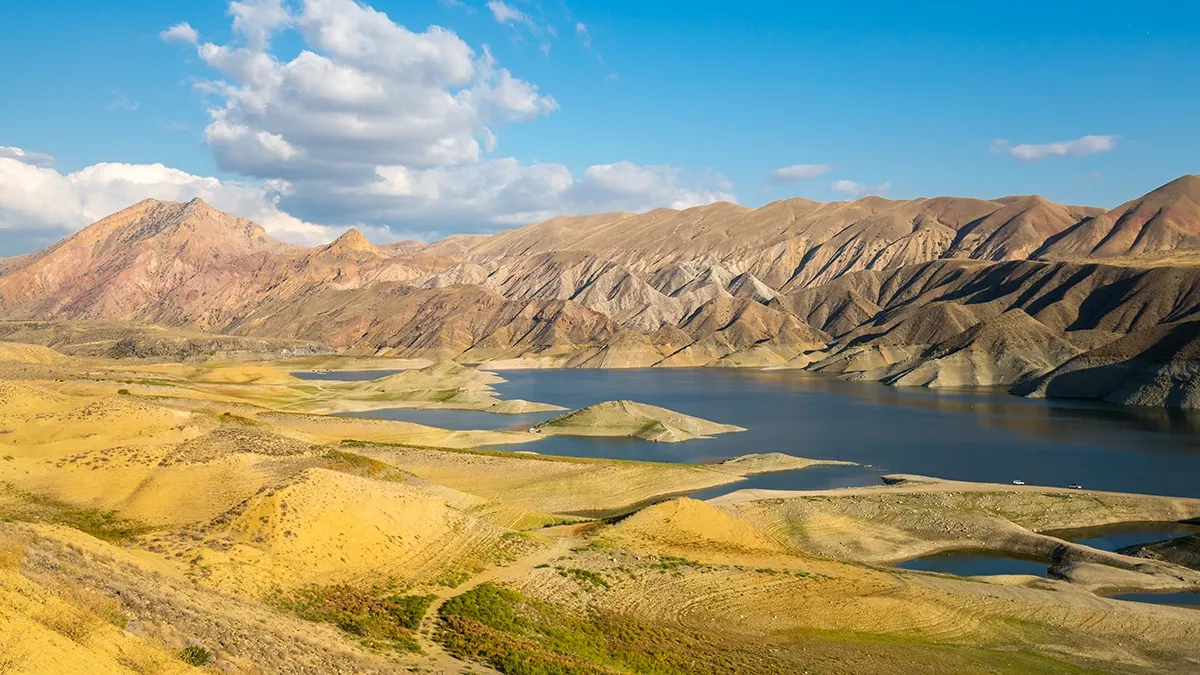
(975, 435)
(976, 564)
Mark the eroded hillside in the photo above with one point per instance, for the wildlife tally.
(924, 292)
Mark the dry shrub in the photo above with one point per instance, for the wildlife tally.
(77, 613)
(11, 555)
(12, 550)
(72, 622)
(144, 659)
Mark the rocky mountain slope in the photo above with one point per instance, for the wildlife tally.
(926, 292)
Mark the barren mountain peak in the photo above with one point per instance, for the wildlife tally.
(353, 240)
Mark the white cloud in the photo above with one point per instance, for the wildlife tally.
(35, 197)
(30, 158)
(856, 190)
(180, 32)
(373, 123)
(581, 30)
(121, 102)
(257, 20)
(799, 172)
(364, 92)
(1079, 147)
(507, 14)
(612, 77)
(507, 192)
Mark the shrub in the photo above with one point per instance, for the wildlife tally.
(584, 577)
(380, 618)
(195, 655)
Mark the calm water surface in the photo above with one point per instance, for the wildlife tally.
(976, 564)
(1177, 599)
(1113, 537)
(978, 435)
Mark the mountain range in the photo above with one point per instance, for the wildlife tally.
(1016, 291)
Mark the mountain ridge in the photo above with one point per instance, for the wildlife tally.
(853, 288)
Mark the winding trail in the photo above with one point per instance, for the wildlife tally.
(563, 538)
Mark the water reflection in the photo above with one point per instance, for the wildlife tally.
(461, 420)
(812, 478)
(976, 564)
(1114, 537)
(977, 435)
(1191, 600)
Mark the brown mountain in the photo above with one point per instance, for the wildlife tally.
(132, 260)
(1164, 220)
(914, 292)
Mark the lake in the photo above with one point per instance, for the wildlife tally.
(975, 435)
(976, 564)
(1114, 537)
(1177, 599)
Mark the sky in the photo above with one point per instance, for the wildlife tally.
(422, 118)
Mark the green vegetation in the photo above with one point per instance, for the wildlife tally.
(30, 508)
(594, 544)
(452, 578)
(522, 636)
(195, 655)
(670, 562)
(586, 577)
(518, 635)
(358, 465)
(380, 619)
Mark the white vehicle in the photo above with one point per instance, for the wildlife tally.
(1018, 482)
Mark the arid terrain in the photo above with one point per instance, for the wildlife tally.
(173, 498)
(159, 517)
(1058, 301)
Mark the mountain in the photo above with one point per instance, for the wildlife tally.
(1166, 219)
(1009, 349)
(134, 259)
(6, 263)
(1159, 366)
(921, 292)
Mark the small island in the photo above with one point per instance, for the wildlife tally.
(633, 420)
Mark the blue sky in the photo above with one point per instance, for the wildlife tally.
(683, 102)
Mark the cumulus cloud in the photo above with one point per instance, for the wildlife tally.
(256, 20)
(799, 172)
(371, 122)
(35, 198)
(24, 157)
(1079, 147)
(180, 32)
(364, 92)
(855, 190)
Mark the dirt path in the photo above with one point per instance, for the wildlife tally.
(562, 539)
